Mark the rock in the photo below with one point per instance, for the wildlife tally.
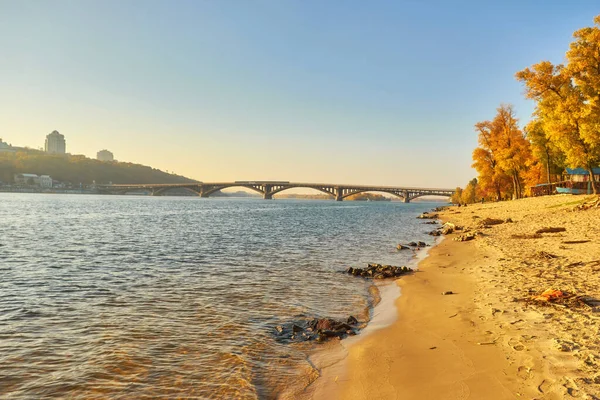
(426, 215)
(402, 247)
(491, 221)
(378, 271)
(435, 233)
(413, 244)
(422, 244)
(466, 237)
(317, 329)
(324, 324)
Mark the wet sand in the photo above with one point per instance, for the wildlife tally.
(484, 342)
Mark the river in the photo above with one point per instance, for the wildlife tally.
(164, 297)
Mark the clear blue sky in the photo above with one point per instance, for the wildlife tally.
(375, 92)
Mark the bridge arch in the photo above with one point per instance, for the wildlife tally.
(159, 192)
(324, 190)
(207, 191)
(358, 191)
(416, 195)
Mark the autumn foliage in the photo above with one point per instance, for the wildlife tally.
(564, 131)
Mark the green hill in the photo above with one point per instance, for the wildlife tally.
(80, 169)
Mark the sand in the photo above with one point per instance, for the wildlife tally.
(485, 341)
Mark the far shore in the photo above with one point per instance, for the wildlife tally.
(489, 339)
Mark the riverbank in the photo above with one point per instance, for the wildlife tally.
(485, 340)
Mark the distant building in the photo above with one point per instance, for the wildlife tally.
(5, 147)
(44, 181)
(55, 143)
(26, 179)
(105, 155)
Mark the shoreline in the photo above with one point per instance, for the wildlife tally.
(384, 314)
(481, 342)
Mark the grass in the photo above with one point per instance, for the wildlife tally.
(573, 203)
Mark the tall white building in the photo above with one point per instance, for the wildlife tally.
(105, 155)
(55, 143)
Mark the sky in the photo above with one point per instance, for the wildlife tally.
(349, 92)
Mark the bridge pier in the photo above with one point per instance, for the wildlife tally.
(268, 195)
(406, 197)
(339, 194)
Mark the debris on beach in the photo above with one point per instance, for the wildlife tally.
(576, 241)
(544, 255)
(563, 298)
(593, 203)
(317, 329)
(447, 292)
(527, 236)
(550, 295)
(378, 271)
(402, 247)
(467, 236)
(551, 230)
(430, 223)
(491, 221)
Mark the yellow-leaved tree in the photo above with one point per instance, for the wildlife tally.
(502, 156)
(568, 100)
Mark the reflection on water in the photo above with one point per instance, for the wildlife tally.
(128, 297)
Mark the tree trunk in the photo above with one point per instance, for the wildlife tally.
(593, 180)
(548, 188)
(514, 181)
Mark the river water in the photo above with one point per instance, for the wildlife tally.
(167, 297)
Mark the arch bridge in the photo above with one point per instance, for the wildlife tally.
(269, 188)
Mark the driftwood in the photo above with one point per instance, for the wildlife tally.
(575, 241)
(530, 236)
(545, 255)
(551, 230)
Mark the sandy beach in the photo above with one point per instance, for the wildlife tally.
(489, 339)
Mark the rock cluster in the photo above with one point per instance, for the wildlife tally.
(317, 329)
(408, 246)
(378, 271)
(445, 229)
(427, 215)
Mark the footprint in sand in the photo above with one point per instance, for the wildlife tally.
(516, 344)
(523, 372)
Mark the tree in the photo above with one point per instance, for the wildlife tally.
(512, 150)
(502, 156)
(469, 195)
(456, 197)
(544, 151)
(568, 99)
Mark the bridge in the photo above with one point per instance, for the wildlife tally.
(269, 188)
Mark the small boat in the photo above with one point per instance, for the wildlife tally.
(572, 190)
